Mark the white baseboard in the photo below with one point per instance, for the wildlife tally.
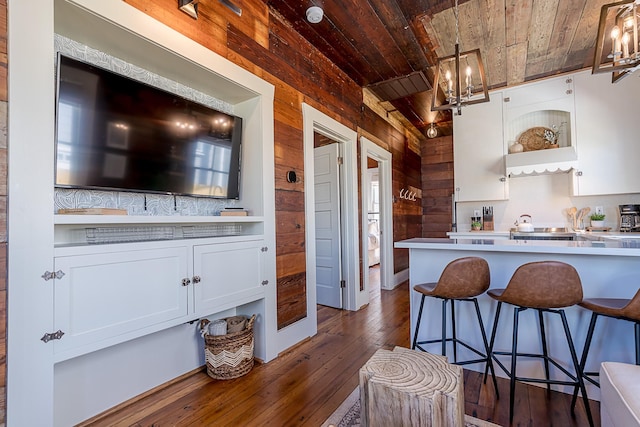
(398, 278)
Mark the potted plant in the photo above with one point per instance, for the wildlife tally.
(476, 226)
(597, 220)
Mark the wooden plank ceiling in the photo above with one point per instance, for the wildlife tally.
(379, 41)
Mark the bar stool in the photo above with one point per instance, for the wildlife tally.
(462, 279)
(617, 308)
(545, 286)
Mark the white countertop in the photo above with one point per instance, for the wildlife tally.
(483, 233)
(591, 235)
(609, 247)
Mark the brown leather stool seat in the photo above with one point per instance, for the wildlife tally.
(617, 308)
(462, 279)
(545, 286)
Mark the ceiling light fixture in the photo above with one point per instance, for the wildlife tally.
(190, 7)
(315, 14)
(432, 131)
(617, 49)
(448, 83)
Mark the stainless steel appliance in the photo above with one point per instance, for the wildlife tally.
(549, 233)
(629, 217)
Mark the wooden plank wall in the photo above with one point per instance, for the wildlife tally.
(266, 45)
(437, 182)
(3, 210)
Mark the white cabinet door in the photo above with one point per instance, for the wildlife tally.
(539, 95)
(104, 298)
(547, 103)
(228, 275)
(607, 135)
(478, 152)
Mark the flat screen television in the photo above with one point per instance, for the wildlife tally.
(115, 133)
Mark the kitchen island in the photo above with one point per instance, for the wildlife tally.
(607, 269)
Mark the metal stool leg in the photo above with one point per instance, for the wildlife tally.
(583, 359)
(637, 328)
(514, 351)
(493, 334)
(415, 334)
(453, 331)
(545, 353)
(489, 362)
(444, 327)
(576, 365)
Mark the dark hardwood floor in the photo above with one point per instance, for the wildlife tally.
(307, 383)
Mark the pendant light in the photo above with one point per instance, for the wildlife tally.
(617, 49)
(459, 87)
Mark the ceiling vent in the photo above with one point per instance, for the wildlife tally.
(401, 87)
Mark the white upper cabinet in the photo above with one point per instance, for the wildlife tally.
(607, 135)
(478, 152)
(549, 94)
(547, 104)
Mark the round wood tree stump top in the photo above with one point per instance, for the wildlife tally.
(407, 387)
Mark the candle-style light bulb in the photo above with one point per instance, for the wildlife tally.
(449, 82)
(468, 79)
(615, 42)
(625, 45)
(615, 32)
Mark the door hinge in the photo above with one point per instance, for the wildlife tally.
(340, 160)
(50, 275)
(343, 284)
(52, 336)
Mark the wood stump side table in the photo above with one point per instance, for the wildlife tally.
(411, 388)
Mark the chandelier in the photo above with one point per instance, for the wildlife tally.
(617, 42)
(455, 88)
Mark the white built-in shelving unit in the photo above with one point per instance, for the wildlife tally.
(128, 305)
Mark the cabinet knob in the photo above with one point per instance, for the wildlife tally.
(186, 281)
(196, 279)
(578, 173)
(569, 91)
(503, 179)
(265, 282)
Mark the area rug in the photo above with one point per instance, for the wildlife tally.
(348, 414)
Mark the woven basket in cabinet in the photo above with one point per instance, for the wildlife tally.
(228, 356)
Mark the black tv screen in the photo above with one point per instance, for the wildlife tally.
(115, 133)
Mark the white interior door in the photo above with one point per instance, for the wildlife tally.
(385, 209)
(327, 216)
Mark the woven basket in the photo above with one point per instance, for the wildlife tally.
(228, 356)
(534, 139)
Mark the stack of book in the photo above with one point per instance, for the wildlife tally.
(234, 212)
(92, 211)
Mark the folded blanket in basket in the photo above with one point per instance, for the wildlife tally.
(218, 327)
(236, 324)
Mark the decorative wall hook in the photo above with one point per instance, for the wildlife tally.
(411, 194)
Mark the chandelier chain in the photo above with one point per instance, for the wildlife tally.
(455, 13)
